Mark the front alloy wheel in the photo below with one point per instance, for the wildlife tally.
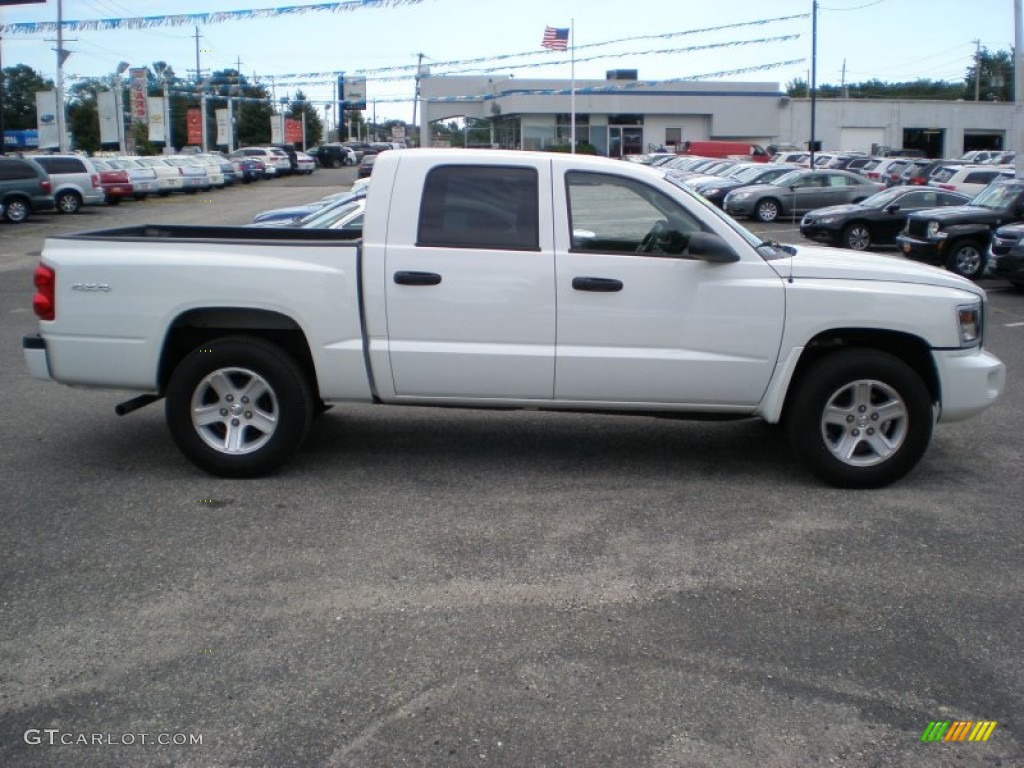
(860, 418)
(966, 259)
(239, 406)
(767, 211)
(16, 211)
(68, 202)
(857, 237)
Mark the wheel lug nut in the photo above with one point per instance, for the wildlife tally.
(874, 417)
(223, 411)
(248, 414)
(856, 433)
(245, 399)
(849, 419)
(234, 422)
(861, 408)
(230, 398)
(871, 431)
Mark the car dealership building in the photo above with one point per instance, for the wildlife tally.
(623, 115)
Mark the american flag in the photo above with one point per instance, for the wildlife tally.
(555, 38)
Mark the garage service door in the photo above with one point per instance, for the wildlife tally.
(860, 139)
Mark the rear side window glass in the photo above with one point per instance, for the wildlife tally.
(980, 177)
(491, 207)
(62, 164)
(11, 170)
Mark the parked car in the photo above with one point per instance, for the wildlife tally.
(213, 170)
(366, 165)
(193, 174)
(344, 217)
(879, 169)
(222, 162)
(249, 169)
(1006, 254)
(143, 178)
(715, 190)
(24, 188)
(791, 158)
(852, 163)
(334, 155)
(919, 171)
(281, 161)
(293, 157)
(115, 182)
(296, 212)
(168, 177)
(958, 237)
(875, 221)
(305, 164)
(968, 179)
(798, 192)
(260, 153)
(75, 180)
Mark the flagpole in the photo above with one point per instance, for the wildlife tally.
(572, 96)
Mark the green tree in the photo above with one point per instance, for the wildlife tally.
(83, 112)
(996, 77)
(20, 85)
(298, 108)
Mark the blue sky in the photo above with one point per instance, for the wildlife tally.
(891, 40)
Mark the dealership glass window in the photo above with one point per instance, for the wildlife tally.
(489, 207)
(614, 214)
(563, 128)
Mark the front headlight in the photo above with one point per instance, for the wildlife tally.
(969, 319)
(739, 195)
(932, 229)
(825, 220)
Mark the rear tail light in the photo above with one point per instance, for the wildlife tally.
(948, 187)
(96, 180)
(44, 303)
(45, 185)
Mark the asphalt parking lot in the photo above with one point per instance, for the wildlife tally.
(425, 587)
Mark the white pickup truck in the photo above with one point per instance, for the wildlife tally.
(515, 280)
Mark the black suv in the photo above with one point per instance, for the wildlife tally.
(24, 188)
(333, 155)
(958, 237)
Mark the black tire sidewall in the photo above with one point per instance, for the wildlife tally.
(283, 375)
(823, 378)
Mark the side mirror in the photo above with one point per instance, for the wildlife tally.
(893, 208)
(706, 246)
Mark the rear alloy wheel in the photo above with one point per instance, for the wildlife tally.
(767, 210)
(239, 406)
(860, 418)
(966, 258)
(68, 202)
(857, 237)
(16, 210)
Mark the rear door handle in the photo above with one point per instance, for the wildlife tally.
(598, 284)
(417, 278)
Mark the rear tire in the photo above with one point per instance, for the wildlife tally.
(239, 406)
(860, 418)
(68, 202)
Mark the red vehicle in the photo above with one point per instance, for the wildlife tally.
(731, 149)
(116, 182)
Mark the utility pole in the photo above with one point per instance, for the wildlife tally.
(977, 70)
(416, 95)
(62, 56)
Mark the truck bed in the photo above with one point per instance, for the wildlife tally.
(220, 234)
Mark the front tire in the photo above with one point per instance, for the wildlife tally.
(967, 259)
(239, 406)
(857, 237)
(16, 210)
(767, 210)
(860, 418)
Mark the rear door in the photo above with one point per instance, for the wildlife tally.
(469, 281)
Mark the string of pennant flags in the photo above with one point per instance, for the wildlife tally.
(583, 90)
(193, 19)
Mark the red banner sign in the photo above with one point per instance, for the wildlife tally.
(195, 127)
(292, 131)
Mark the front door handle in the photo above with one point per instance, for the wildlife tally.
(598, 284)
(417, 278)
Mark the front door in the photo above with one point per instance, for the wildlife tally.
(638, 321)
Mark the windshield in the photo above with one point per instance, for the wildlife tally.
(883, 198)
(998, 196)
(788, 179)
(323, 217)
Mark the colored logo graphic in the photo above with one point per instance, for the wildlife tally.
(958, 730)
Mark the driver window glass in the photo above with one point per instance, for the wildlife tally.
(613, 214)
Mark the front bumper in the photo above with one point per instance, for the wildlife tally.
(1009, 266)
(36, 357)
(819, 233)
(970, 379)
(928, 251)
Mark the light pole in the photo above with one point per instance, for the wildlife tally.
(118, 106)
(166, 75)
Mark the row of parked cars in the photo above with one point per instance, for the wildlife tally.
(65, 182)
(967, 217)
